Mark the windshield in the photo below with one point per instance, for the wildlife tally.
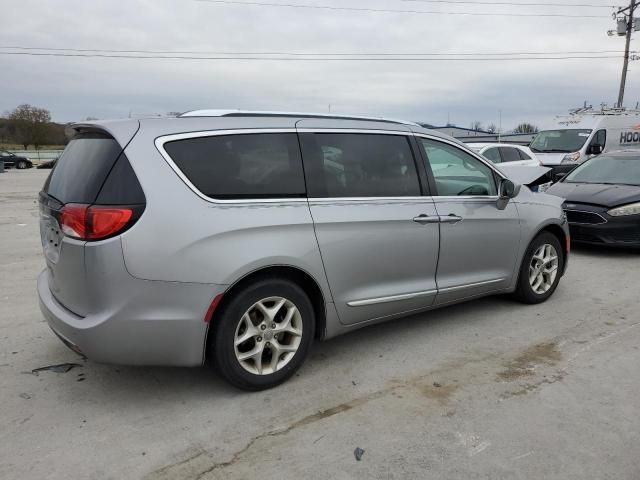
(560, 141)
(607, 170)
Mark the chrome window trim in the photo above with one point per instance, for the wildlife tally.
(391, 298)
(426, 199)
(465, 198)
(160, 142)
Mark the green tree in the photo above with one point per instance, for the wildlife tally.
(525, 128)
(31, 124)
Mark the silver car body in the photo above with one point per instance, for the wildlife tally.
(143, 297)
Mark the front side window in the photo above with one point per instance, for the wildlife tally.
(510, 154)
(243, 166)
(359, 165)
(456, 172)
(599, 139)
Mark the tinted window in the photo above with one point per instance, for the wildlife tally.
(523, 155)
(121, 186)
(509, 154)
(359, 165)
(264, 165)
(493, 155)
(82, 168)
(456, 172)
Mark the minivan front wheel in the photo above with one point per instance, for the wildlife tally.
(541, 269)
(263, 334)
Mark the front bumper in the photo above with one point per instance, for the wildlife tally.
(161, 323)
(615, 231)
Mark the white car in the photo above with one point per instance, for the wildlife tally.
(505, 153)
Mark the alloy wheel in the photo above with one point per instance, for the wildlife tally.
(268, 335)
(543, 268)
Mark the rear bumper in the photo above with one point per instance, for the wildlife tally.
(159, 323)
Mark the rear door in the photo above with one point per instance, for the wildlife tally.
(376, 229)
(478, 241)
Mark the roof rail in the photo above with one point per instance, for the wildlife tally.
(250, 113)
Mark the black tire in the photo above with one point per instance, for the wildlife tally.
(22, 165)
(228, 318)
(524, 291)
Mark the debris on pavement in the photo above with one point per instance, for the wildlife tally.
(26, 396)
(358, 452)
(59, 368)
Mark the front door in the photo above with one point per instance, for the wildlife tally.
(478, 241)
(377, 233)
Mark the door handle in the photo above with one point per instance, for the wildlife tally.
(451, 218)
(424, 219)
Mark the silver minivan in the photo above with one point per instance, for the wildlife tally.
(238, 238)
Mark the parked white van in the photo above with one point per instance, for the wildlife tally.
(585, 133)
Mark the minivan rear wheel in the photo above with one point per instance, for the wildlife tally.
(263, 335)
(541, 269)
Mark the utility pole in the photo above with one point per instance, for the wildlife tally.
(628, 18)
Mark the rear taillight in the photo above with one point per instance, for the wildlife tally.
(95, 222)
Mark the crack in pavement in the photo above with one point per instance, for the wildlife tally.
(521, 364)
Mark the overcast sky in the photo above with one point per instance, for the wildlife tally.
(428, 91)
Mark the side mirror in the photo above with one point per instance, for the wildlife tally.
(595, 149)
(507, 189)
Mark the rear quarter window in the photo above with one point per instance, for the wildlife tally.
(241, 166)
(82, 168)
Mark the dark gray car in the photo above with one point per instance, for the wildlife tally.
(240, 237)
(12, 160)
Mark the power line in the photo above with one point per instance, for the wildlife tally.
(307, 59)
(513, 4)
(309, 54)
(389, 10)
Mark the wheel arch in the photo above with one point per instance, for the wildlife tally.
(556, 230)
(288, 272)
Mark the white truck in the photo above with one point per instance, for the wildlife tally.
(584, 133)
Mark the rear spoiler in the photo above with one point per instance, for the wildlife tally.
(122, 130)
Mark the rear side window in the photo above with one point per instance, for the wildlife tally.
(523, 155)
(493, 154)
(82, 168)
(509, 154)
(359, 165)
(263, 165)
